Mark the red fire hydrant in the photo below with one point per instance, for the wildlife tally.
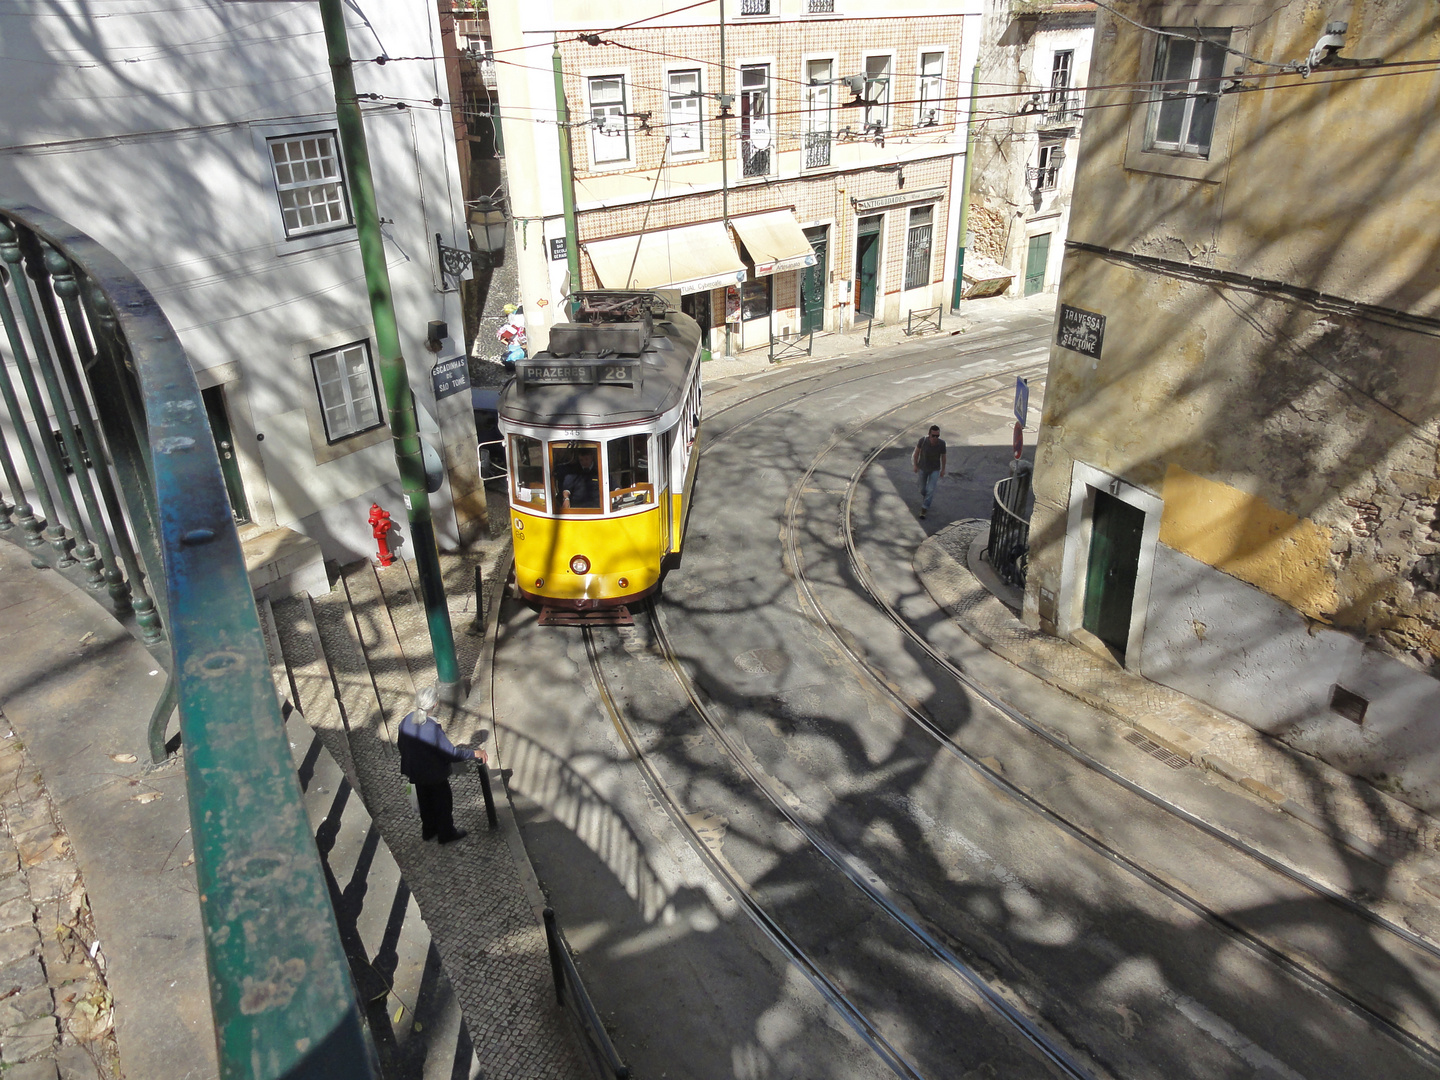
(380, 526)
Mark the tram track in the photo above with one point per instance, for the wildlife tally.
(1291, 965)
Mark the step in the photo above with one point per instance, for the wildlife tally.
(283, 562)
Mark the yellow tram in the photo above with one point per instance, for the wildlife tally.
(600, 433)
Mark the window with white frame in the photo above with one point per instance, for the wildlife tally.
(345, 380)
(754, 7)
(684, 112)
(755, 133)
(309, 183)
(877, 89)
(819, 100)
(917, 246)
(1047, 171)
(609, 132)
(1062, 102)
(1182, 117)
(931, 88)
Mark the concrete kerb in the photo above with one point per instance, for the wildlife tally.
(932, 555)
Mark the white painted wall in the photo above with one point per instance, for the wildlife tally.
(147, 131)
(1227, 643)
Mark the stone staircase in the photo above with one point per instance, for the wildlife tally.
(465, 991)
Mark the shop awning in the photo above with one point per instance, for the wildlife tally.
(693, 258)
(775, 241)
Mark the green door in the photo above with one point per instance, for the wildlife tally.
(225, 447)
(867, 264)
(1035, 259)
(812, 284)
(1115, 530)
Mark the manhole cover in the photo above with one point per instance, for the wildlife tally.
(762, 661)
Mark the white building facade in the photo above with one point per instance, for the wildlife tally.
(198, 142)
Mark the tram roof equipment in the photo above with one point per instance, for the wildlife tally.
(625, 359)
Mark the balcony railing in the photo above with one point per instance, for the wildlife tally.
(1062, 108)
(142, 517)
(1009, 544)
(753, 162)
(817, 149)
(820, 7)
(1042, 179)
(754, 7)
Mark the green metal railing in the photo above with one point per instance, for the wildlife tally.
(108, 439)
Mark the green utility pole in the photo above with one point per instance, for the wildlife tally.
(965, 190)
(404, 430)
(567, 174)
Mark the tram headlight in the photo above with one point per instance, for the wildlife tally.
(579, 564)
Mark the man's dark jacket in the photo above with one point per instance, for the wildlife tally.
(425, 752)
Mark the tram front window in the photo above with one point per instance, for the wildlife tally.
(630, 472)
(575, 467)
(527, 472)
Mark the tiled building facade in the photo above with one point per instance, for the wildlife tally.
(844, 129)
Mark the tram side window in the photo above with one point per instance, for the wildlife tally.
(630, 472)
(527, 473)
(575, 467)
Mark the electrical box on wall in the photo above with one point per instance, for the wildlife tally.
(844, 290)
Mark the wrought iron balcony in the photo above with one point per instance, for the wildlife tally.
(1062, 108)
(143, 516)
(1042, 179)
(753, 162)
(817, 149)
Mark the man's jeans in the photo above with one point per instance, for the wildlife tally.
(929, 481)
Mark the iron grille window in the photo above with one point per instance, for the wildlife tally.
(309, 183)
(345, 380)
(821, 7)
(609, 133)
(754, 7)
(877, 89)
(819, 99)
(1183, 118)
(684, 104)
(932, 81)
(917, 247)
(755, 133)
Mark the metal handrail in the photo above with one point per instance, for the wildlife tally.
(281, 992)
(918, 321)
(565, 973)
(490, 459)
(1009, 542)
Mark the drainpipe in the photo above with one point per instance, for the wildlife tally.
(567, 174)
(404, 429)
(724, 165)
(965, 191)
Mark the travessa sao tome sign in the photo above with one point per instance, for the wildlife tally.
(1080, 331)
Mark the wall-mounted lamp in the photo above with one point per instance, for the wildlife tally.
(435, 335)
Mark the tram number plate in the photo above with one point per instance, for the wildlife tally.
(578, 373)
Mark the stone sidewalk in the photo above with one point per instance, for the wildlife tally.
(1339, 807)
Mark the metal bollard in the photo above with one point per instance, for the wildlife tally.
(557, 966)
(484, 770)
(478, 626)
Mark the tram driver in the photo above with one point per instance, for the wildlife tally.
(580, 481)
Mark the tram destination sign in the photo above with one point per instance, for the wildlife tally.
(1080, 331)
(536, 373)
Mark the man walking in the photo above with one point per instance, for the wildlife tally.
(929, 461)
(425, 757)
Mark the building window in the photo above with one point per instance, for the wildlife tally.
(609, 133)
(932, 83)
(754, 7)
(755, 298)
(755, 134)
(1046, 174)
(877, 89)
(819, 99)
(345, 380)
(917, 247)
(1182, 119)
(309, 183)
(820, 7)
(684, 105)
(1063, 105)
